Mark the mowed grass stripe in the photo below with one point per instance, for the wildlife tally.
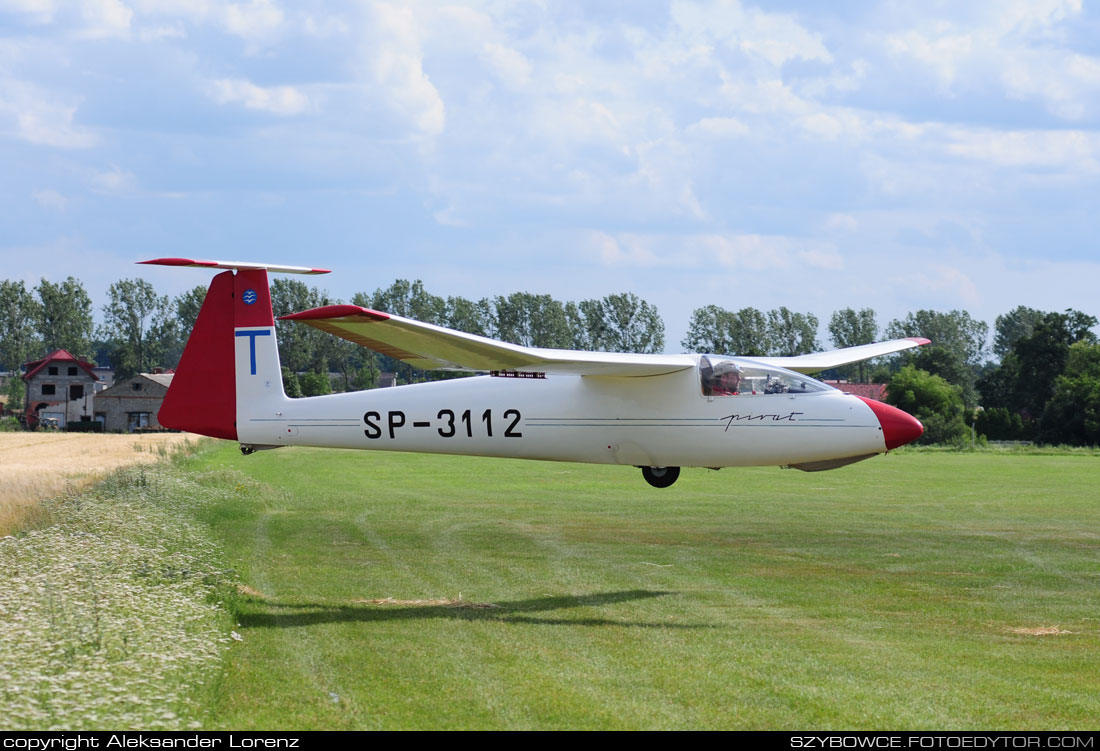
(884, 594)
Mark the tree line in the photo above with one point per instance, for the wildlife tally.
(1040, 379)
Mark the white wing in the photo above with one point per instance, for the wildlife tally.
(426, 346)
(825, 360)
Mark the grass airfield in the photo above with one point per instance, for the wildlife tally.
(913, 591)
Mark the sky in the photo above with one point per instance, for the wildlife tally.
(818, 156)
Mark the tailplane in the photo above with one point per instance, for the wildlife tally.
(230, 365)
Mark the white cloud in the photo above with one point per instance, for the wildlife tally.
(114, 180)
(507, 64)
(396, 70)
(50, 199)
(718, 127)
(40, 116)
(105, 18)
(1069, 151)
(944, 280)
(37, 11)
(278, 100)
(1013, 46)
(821, 258)
(776, 38)
(841, 223)
(256, 21)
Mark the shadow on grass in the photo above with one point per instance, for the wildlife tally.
(254, 612)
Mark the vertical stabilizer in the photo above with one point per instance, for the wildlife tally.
(202, 398)
(230, 368)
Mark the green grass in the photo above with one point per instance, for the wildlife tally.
(881, 595)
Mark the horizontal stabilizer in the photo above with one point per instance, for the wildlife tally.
(824, 360)
(239, 265)
(426, 346)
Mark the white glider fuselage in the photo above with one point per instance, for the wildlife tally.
(658, 412)
(658, 420)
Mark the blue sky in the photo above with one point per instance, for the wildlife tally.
(891, 155)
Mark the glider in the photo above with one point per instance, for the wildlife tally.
(657, 412)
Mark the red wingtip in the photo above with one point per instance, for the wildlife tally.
(919, 340)
(335, 311)
(179, 262)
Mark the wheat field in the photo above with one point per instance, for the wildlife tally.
(39, 465)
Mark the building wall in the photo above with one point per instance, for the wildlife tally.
(120, 401)
(60, 402)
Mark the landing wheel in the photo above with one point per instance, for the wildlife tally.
(660, 477)
(246, 450)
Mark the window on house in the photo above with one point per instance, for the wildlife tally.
(135, 386)
(135, 420)
(76, 391)
(72, 370)
(48, 389)
(51, 370)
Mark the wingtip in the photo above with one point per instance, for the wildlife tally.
(921, 341)
(179, 262)
(326, 312)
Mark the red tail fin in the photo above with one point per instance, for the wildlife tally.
(203, 395)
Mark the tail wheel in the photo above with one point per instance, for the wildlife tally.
(660, 477)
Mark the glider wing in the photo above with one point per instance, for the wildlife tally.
(824, 360)
(426, 346)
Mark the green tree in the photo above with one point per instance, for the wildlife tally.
(616, 323)
(1025, 381)
(531, 320)
(291, 387)
(410, 300)
(315, 384)
(187, 306)
(18, 319)
(140, 326)
(1013, 326)
(955, 331)
(1072, 415)
(469, 316)
(1000, 424)
(932, 400)
(790, 333)
(851, 328)
(65, 317)
(956, 351)
(301, 347)
(719, 331)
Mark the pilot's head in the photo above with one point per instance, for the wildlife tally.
(727, 376)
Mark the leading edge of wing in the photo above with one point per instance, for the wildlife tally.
(824, 360)
(427, 346)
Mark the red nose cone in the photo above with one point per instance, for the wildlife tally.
(898, 428)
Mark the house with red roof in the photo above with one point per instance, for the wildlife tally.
(60, 388)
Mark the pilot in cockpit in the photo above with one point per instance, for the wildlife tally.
(726, 379)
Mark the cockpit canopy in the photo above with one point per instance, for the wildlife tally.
(735, 376)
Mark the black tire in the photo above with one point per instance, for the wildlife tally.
(660, 477)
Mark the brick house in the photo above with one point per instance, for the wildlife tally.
(59, 387)
(133, 404)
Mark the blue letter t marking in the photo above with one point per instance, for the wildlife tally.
(252, 343)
